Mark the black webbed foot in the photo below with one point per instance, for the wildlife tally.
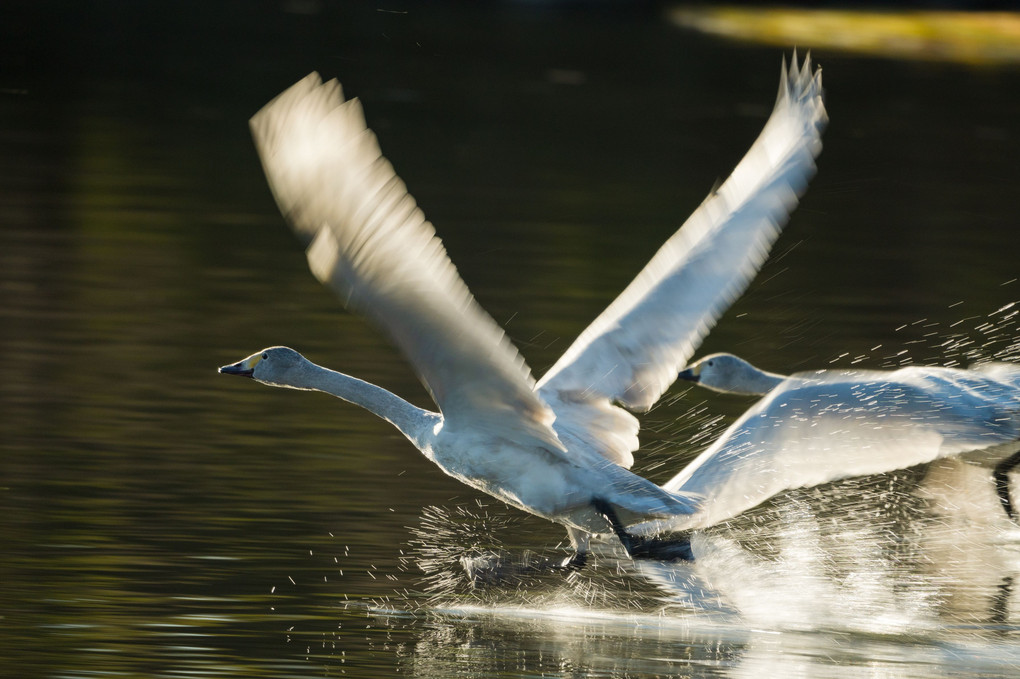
(1001, 476)
(638, 547)
(674, 549)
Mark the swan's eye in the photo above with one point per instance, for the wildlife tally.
(265, 356)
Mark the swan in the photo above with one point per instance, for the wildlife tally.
(824, 425)
(561, 447)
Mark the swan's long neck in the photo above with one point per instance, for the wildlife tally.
(739, 377)
(416, 424)
(759, 382)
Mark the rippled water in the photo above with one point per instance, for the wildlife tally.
(161, 520)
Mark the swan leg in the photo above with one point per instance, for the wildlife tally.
(574, 562)
(638, 547)
(1001, 476)
(579, 540)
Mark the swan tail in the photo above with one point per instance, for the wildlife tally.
(650, 502)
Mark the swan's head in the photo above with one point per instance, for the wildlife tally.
(723, 372)
(276, 366)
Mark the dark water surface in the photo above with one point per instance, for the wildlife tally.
(158, 519)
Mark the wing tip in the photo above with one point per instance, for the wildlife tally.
(309, 97)
(294, 134)
(800, 85)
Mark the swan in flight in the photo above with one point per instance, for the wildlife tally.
(824, 425)
(561, 447)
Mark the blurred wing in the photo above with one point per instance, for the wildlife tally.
(631, 353)
(822, 427)
(372, 245)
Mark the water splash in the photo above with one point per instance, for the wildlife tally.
(974, 338)
(447, 536)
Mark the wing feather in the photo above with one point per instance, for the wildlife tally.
(368, 241)
(632, 352)
(830, 425)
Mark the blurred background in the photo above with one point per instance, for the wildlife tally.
(158, 519)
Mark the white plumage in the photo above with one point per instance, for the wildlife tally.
(824, 425)
(559, 448)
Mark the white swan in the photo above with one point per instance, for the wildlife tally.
(824, 425)
(559, 448)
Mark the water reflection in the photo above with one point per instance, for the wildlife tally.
(870, 576)
(903, 575)
(909, 553)
(485, 643)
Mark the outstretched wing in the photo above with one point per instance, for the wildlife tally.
(368, 241)
(631, 353)
(831, 425)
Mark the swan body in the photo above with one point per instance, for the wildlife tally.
(561, 447)
(824, 425)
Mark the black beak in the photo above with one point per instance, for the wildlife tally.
(688, 375)
(236, 369)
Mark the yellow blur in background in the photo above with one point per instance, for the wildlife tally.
(968, 37)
